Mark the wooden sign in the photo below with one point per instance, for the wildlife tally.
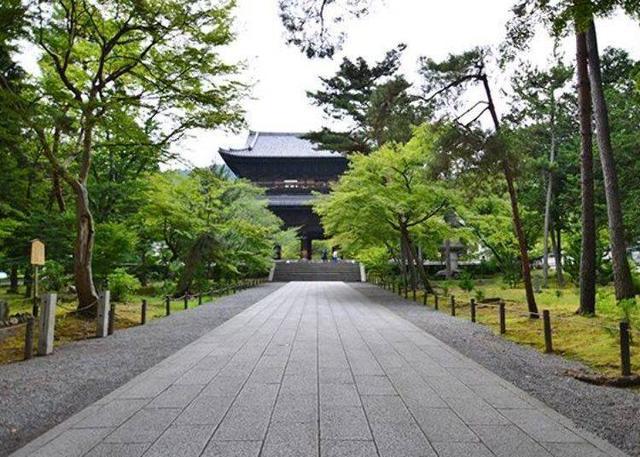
(37, 253)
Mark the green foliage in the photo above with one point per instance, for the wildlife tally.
(115, 246)
(54, 277)
(383, 190)
(374, 101)
(118, 83)
(466, 282)
(479, 295)
(210, 227)
(289, 243)
(376, 260)
(122, 284)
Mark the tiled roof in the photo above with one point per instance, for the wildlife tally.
(274, 144)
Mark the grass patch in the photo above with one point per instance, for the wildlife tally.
(593, 340)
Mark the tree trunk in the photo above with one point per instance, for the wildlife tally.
(557, 250)
(588, 243)
(83, 252)
(201, 250)
(13, 280)
(515, 212)
(411, 251)
(27, 280)
(522, 243)
(547, 203)
(621, 273)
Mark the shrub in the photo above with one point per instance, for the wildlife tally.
(53, 277)
(466, 282)
(479, 295)
(122, 284)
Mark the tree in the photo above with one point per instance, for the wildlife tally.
(621, 273)
(156, 62)
(539, 113)
(387, 200)
(316, 27)
(558, 16)
(588, 246)
(450, 78)
(374, 101)
(210, 226)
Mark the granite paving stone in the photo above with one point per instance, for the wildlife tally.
(318, 369)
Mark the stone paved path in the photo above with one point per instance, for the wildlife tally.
(317, 369)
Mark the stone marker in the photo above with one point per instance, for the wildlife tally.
(104, 308)
(4, 311)
(47, 324)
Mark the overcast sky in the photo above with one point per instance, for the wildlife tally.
(281, 75)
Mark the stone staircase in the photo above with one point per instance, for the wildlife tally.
(316, 271)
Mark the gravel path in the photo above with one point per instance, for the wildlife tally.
(611, 413)
(40, 393)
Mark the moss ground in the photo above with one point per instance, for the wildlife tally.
(593, 340)
(71, 326)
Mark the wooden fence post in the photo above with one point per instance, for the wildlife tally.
(104, 307)
(453, 305)
(186, 301)
(503, 324)
(199, 299)
(473, 310)
(167, 305)
(548, 342)
(28, 338)
(414, 294)
(424, 298)
(47, 324)
(625, 353)
(112, 318)
(435, 304)
(143, 312)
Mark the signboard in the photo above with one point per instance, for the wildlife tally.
(37, 253)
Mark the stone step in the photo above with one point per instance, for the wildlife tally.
(311, 271)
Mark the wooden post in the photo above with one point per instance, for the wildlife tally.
(47, 324)
(28, 338)
(424, 298)
(406, 290)
(625, 353)
(473, 310)
(186, 301)
(36, 283)
(199, 299)
(435, 304)
(37, 260)
(414, 294)
(548, 343)
(167, 305)
(143, 313)
(112, 318)
(503, 324)
(453, 305)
